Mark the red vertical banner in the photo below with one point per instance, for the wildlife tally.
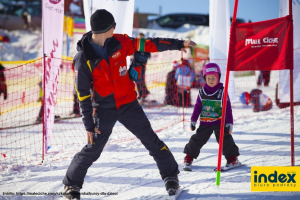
(264, 45)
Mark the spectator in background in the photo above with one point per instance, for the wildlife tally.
(184, 77)
(139, 63)
(199, 78)
(41, 99)
(264, 76)
(3, 86)
(27, 19)
(171, 87)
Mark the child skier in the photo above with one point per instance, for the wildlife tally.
(209, 107)
(260, 101)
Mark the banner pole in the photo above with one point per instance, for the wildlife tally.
(43, 82)
(292, 89)
(182, 91)
(224, 104)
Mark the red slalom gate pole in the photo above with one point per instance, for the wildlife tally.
(292, 90)
(224, 104)
(182, 96)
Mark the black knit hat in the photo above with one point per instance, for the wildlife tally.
(102, 21)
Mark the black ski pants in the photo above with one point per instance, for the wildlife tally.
(132, 116)
(202, 136)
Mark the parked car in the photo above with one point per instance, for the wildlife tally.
(11, 15)
(177, 20)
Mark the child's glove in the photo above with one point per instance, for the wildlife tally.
(193, 126)
(228, 128)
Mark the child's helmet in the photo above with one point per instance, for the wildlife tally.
(211, 68)
(245, 98)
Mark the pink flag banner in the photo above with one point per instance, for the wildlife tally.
(52, 26)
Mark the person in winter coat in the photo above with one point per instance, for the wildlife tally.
(209, 108)
(184, 77)
(100, 65)
(3, 86)
(39, 119)
(264, 77)
(171, 87)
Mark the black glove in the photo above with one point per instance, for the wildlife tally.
(193, 126)
(141, 57)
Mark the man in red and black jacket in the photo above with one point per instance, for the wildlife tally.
(105, 89)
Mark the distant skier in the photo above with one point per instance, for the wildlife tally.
(209, 107)
(41, 99)
(171, 87)
(100, 64)
(184, 77)
(260, 101)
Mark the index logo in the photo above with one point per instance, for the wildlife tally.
(275, 179)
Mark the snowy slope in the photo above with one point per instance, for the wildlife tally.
(128, 170)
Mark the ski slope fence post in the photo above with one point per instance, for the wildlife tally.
(292, 89)
(43, 106)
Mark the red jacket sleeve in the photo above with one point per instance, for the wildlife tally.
(151, 44)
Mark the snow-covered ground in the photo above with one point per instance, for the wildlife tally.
(127, 170)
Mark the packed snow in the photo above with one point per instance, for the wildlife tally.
(127, 170)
